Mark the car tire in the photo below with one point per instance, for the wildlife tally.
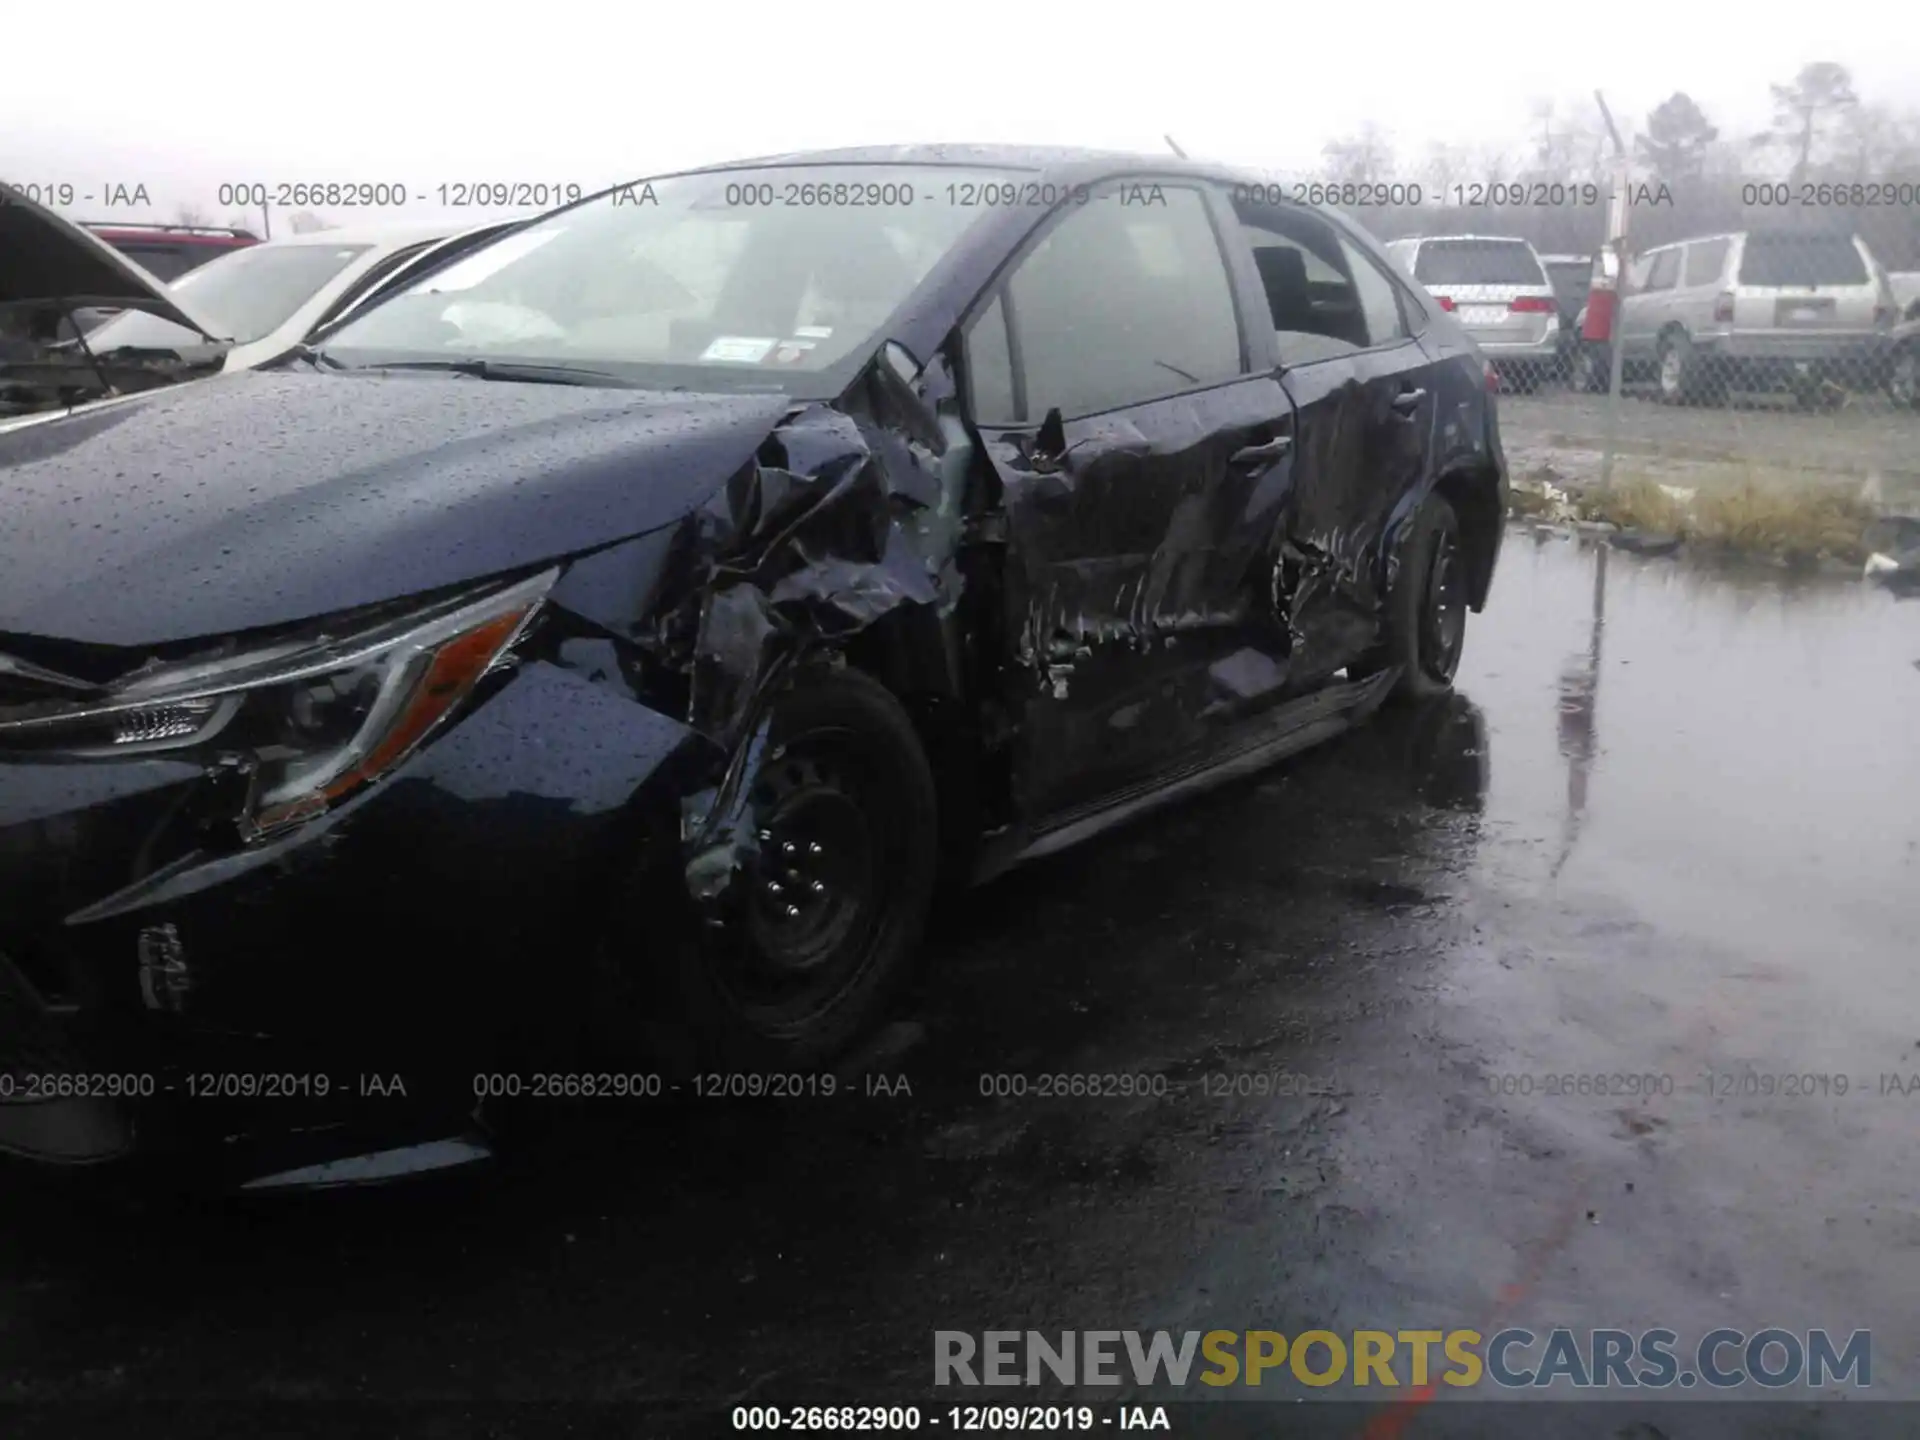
(819, 931)
(1424, 620)
(1679, 372)
(1590, 370)
(1903, 377)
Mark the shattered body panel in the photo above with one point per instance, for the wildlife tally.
(1083, 617)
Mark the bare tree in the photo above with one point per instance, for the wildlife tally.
(1874, 142)
(236, 222)
(190, 215)
(305, 222)
(1821, 90)
(1443, 167)
(1362, 158)
(1678, 134)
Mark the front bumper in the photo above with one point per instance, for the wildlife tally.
(352, 978)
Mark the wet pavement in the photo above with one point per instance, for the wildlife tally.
(1669, 828)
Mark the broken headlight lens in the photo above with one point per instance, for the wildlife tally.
(319, 717)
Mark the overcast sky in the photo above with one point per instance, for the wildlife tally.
(181, 98)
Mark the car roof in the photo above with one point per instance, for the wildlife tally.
(160, 235)
(382, 236)
(1052, 162)
(1503, 239)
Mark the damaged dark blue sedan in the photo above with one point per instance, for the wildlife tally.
(603, 646)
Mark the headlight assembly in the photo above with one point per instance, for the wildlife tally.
(319, 718)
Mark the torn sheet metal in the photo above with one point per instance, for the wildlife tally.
(812, 541)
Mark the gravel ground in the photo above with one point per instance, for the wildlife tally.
(1688, 446)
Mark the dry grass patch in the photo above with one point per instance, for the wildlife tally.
(1789, 522)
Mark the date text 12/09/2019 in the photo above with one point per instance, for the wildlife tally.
(961, 1419)
(393, 194)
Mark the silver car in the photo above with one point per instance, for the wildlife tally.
(1498, 290)
(1755, 310)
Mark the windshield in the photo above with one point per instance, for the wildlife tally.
(766, 275)
(243, 296)
(1477, 262)
(1787, 259)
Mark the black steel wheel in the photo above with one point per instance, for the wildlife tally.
(1424, 621)
(819, 929)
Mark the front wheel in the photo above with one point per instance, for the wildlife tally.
(818, 931)
(1424, 625)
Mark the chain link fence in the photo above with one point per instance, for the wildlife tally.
(1765, 340)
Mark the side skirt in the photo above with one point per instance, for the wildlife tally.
(1294, 727)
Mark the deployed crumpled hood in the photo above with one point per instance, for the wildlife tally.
(51, 260)
(273, 496)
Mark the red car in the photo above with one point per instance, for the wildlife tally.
(169, 251)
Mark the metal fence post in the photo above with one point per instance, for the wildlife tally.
(1616, 364)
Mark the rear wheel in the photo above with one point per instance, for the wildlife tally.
(1903, 377)
(1424, 627)
(1680, 372)
(1590, 366)
(819, 929)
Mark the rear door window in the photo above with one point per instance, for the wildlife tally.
(1665, 270)
(1705, 261)
(1379, 298)
(1788, 259)
(1477, 262)
(1317, 310)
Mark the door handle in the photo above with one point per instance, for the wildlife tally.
(1407, 401)
(1261, 454)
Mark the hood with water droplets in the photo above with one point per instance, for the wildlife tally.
(275, 496)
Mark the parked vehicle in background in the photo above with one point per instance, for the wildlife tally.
(1905, 285)
(269, 297)
(164, 251)
(1903, 363)
(1572, 279)
(666, 594)
(1804, 310)
(249, 306)
(1497, 289)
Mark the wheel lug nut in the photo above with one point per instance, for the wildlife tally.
(792, 910)
(766, 834)
(787, 847)
(818, 888)
(773, 887)
(813, 847)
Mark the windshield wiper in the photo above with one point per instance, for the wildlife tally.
(514, 371)
(315, 357)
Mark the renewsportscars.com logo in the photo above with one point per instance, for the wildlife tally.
(1390, 1359)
